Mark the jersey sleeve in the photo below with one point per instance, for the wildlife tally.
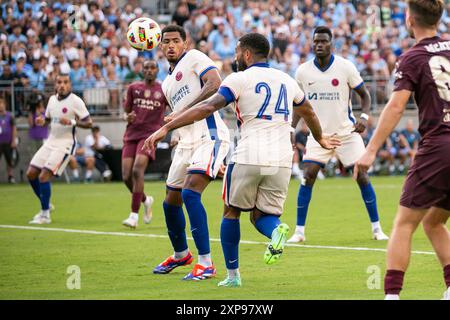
(47, 110)
(232, 86)
(201, 63)
(80, 109)
(299, 95)
(355, 80)
(129, 99)
(406, 75)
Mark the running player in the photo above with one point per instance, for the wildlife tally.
(144, 106)
(258, 176)
(65, 111)
(425, 71)
(327, 81)
(200, 152)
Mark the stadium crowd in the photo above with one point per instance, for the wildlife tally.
(87, 39)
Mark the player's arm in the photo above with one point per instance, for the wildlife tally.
(129, 115)
(211, 83)
(361, 124)
(85, 123)
(305, 111)
(199, 112)
(389, 119)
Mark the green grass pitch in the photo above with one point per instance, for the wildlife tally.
(34, 263)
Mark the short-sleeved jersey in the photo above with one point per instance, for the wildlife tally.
(149, 104)
(181, 87)
(425, 70)
(329, 92)
(264, 98)
(7, 124)
(72, 107)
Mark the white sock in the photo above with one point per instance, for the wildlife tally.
(233, 273)
(392, 297)
(300, 229)
(376, 225)
(75, 173)
(45, 213)
(180, 255)
(88, 174)
(147, 201)
(205, 260)
(134, 216)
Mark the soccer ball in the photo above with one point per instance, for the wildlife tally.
(144, 34)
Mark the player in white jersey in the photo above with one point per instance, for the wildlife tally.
(65, 111)
(328, 81)
(258, 176)
(199, 156)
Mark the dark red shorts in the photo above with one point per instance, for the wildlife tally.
(133, 148)
(428, 181)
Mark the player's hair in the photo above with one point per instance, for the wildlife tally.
(323, 29)
(427, 13)
(62, 74)
(174, 28)
(256, 43)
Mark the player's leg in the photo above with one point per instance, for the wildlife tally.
(349, 152)
(193, 188)
(399, 249)
(138, 195)
(174, 215)
(130, 151)
(205, 165)
(435, 226)
(370, 201)
(230, 235)
(33, 171)
(310, 171)
(270, 198)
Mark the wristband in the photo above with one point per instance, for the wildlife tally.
(364, 116)
(73, 122)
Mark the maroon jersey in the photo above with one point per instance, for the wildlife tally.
(149, 104)
(425, 70)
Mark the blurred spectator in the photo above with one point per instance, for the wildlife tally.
(36, 76)
(136, 73)
(37, 134)
(410, 138)
(371, 33)
(8, 138)
(94, 144)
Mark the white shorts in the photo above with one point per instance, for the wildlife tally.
(205, 159)
(246, 187)
(351, 149)
(52, 159)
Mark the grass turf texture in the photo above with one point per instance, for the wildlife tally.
(33, 263)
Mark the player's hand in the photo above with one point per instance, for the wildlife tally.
(360, 126)
(170, 117)
(221, 172)
(329, 142)
(151, 142)
(40, 121)
(13, 144)
(364, 163)
(65, 121)
(130, 117)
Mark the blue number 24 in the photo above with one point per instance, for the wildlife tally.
(282, 104)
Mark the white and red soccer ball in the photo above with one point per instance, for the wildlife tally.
(144, 34)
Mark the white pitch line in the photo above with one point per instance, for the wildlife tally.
(128, 234)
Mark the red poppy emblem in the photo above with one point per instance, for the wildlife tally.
(179, 76)
(64, 110)
(335, 82)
